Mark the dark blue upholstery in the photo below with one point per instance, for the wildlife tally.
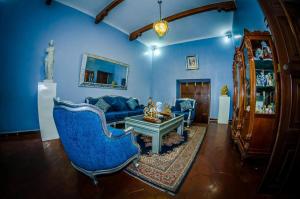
(119, 108)
(189, 115)
(87, 141)
(185, 113)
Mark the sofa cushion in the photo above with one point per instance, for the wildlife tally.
(185, 105)
(177, 104)
(110, 117)
(132, 103)
(135, 112)
(102, 104)
(120, 115)
(92, 100)
(117, 103)
(116, 116)
(119, 106)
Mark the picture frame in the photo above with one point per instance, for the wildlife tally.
(192, 62)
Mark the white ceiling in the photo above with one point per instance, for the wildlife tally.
(131, 15)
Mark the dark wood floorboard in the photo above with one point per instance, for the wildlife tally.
(31, 168)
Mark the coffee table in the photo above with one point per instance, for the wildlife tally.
(155, 130)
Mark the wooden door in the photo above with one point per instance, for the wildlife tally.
(187, 90)
(282, 174)
(102, 77)
(202, 97)
(200, 91)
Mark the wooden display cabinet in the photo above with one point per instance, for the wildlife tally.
(255, 123)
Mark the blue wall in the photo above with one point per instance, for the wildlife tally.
(248, 15)
(215, 63)
(26, 29)
(24, 37)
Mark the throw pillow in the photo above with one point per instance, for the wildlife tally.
(185, 105)
(119, 105)
(103, 105)
(132, 103)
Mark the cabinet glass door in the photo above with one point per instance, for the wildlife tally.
(247, 80)
(265, 77)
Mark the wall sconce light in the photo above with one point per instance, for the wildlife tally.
(228, 36)
(155, 51)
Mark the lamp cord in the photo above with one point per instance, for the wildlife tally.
(159, 3)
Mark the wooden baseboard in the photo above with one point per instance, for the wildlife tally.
(215, 120)
(17, 133)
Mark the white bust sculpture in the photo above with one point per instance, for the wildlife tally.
(49, 61)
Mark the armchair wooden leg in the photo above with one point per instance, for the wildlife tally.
(94, 178)
(136, 162)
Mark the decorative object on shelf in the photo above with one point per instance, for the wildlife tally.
(49, 61)
(160, 27)
(263, 52)
(262, 80)
(224, 90)
(258, 54)
(192, 63)
(97, 71)
(267, 53)
(259, 106)
(270, 81)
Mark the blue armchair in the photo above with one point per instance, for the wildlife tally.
(189, 111)
(92, 147)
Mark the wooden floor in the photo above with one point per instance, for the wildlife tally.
(32, 169)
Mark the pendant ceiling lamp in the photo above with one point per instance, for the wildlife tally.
(161, 26)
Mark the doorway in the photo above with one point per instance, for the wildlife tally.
(198, 89)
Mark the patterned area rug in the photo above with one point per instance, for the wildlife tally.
(167, 170)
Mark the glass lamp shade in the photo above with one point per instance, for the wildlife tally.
(161, 28)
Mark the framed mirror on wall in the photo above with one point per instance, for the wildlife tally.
(97, 71)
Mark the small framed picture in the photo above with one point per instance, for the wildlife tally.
(192, 63)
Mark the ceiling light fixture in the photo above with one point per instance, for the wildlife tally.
(161, 26)
(228, 34)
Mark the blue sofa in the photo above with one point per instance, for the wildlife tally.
(189, 115)
(119, 108)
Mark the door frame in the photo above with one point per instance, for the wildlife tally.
(180, 81)
(284, 161)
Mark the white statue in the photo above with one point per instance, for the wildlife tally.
(49, 61)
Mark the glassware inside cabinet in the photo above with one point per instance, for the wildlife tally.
(265, 77)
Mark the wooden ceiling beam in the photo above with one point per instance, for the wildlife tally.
(222, 6)
(103, 13)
